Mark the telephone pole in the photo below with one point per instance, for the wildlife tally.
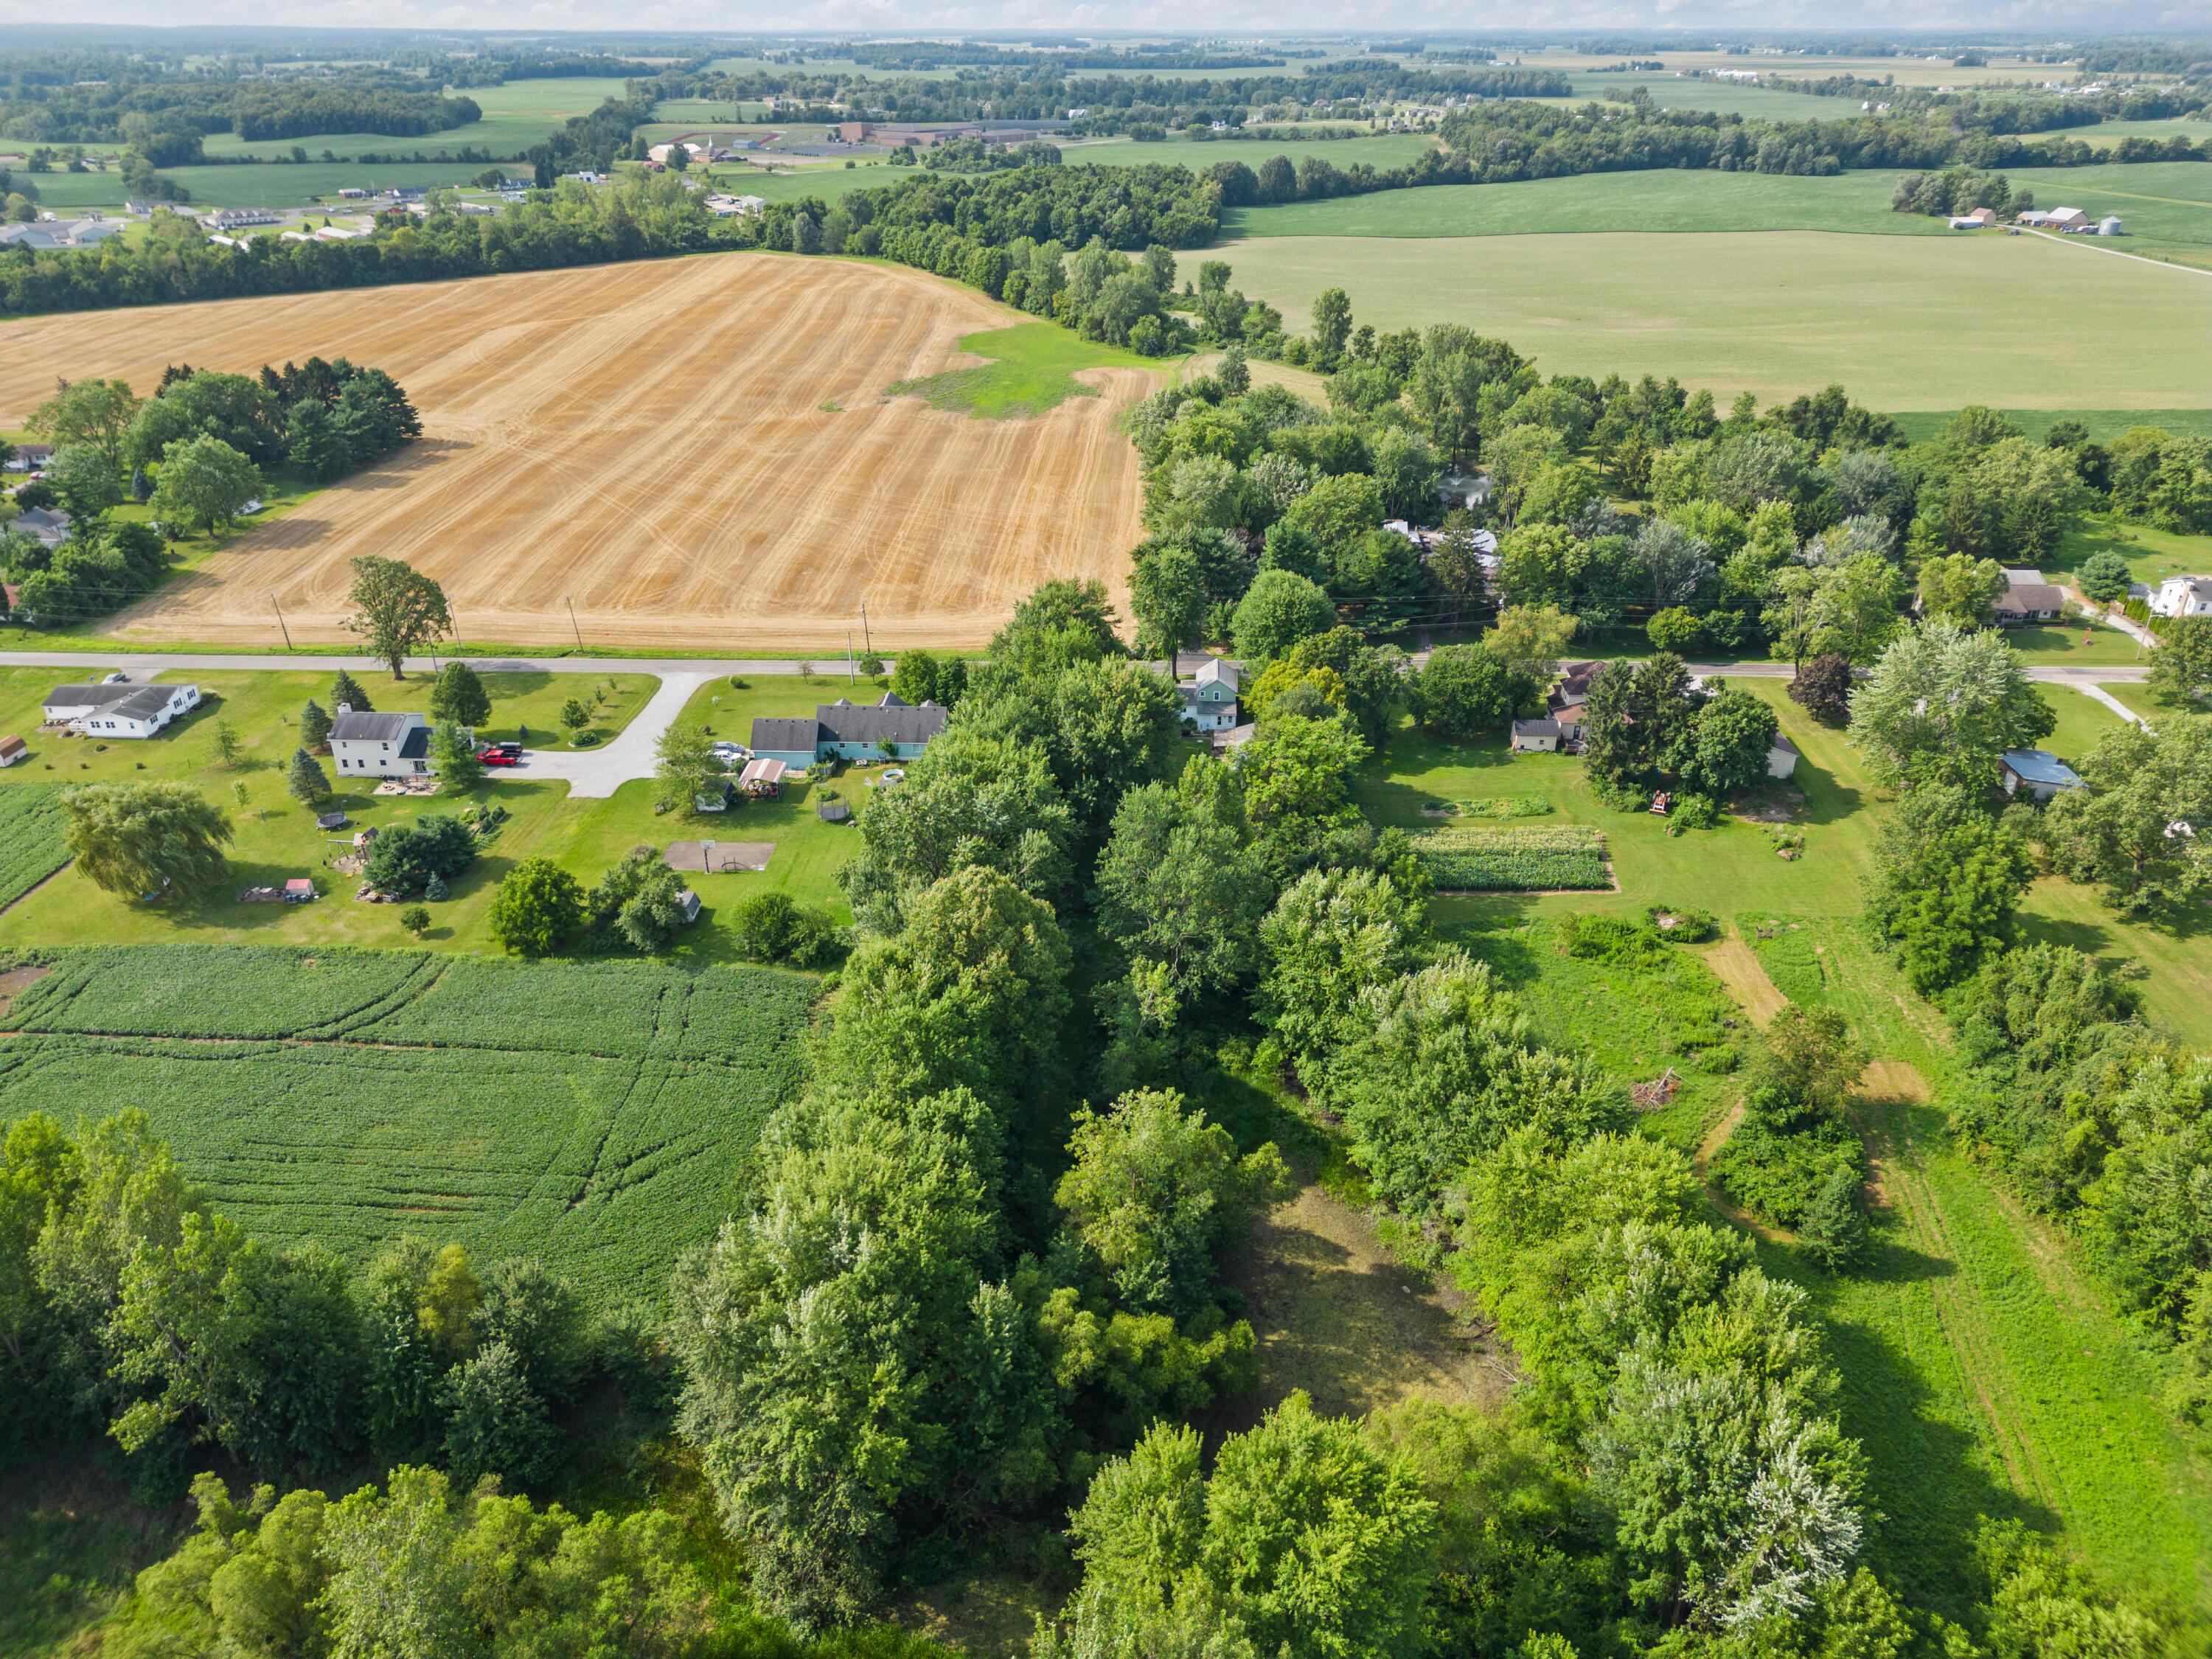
(571, 604)
(280, 622)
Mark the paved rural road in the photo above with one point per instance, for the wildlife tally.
(154, 662)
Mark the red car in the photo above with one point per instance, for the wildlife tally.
(496, 755)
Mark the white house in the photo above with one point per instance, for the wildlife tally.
(1209, 698)
(373, 745)
(2038, 771)
(2183, 596)
(118, 708)
(1781, 758)
(1535, 736)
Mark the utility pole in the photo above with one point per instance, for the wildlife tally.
(864, 638)
(280, 622)
(571, 604)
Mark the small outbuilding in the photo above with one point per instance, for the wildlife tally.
(1781, 758)
(13, 749)
(1536, 737)
(2038, 771)
(687, 905)
(762, 778)
(299, 890)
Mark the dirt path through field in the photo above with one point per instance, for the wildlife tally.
(695, 452)
(1338, 1315)
(1738, 967)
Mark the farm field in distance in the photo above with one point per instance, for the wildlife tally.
(516, 115)
(695, 452)
(1902, 323)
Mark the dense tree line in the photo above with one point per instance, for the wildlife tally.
(1496, 144)
(195, 452)
(129, 108)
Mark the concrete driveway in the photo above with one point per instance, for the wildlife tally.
(598, 773)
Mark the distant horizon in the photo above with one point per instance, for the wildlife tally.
(1238, 22)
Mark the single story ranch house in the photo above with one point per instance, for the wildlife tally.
(890, 729)
(119, 708)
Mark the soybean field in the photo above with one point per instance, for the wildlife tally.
(598, 1116)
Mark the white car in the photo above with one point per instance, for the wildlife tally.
(730, 751)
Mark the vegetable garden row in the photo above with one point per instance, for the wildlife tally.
(1529, 860)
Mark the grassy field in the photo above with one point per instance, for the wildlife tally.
(1984, 1373)
(1655, 201)
(1902, 322)
(271, 187)
(593, 1116)
(2165, 206)
(516, 115)
(2104, 424)
(1381, 149)
(1032, 367)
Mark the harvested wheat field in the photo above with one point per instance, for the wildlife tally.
(697, 453)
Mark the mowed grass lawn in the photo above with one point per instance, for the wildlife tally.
(276, 837)
(1902, 322)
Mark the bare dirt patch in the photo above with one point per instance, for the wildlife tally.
(1738, 967)
(1341, 1318)
(16, 982)
(651, 441)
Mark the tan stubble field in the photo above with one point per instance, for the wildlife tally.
(650, 442)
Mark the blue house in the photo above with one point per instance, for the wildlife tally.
(850, 731)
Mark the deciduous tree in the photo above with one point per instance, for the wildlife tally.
(396, 609)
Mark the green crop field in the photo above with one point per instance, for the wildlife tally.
(1381, 149)
(1663, 200)
(595, 1117)
(1902, 322)
(31, 844)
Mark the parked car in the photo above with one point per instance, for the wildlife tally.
(499, 755)
(510, 747)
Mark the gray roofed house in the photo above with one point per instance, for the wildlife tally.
(367, 726)
(369, 743)
(119, 708)
(2030, 602)
(49, 525)
(848, 731)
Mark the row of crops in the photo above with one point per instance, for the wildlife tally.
(1529, 860)
(598, 1116)
(32, 845)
